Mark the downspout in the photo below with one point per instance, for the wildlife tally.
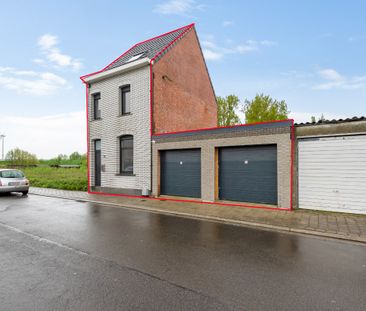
(292, 164)
(151, 123)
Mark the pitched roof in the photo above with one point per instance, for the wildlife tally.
(150, 48)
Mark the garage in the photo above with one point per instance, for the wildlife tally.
(247, 164)
(248, 174)
(180, 172)
(332, 173)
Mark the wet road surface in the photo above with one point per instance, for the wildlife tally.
(58, 254)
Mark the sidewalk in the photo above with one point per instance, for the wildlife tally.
(336, 225)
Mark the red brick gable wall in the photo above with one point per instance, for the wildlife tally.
(183, 97)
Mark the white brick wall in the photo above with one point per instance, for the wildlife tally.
(112, 126)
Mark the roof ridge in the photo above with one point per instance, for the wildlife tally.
(164, 34)
(145, 41)
(138, 46)
(171, 43)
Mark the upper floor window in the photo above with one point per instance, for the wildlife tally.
(125, 100)
(96, 106)
(126, 154)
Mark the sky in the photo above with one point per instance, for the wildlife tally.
(309, 53)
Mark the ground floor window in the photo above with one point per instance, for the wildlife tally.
(126, 154)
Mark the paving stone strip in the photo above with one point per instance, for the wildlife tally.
(327, 224)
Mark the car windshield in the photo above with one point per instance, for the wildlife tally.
(11, 174)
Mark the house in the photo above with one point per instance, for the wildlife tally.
(152, 130)
(159, 85)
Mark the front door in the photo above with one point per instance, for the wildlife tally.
(97, 163)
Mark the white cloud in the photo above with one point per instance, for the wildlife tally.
(208, 44)
(47, 41)
(227, 23)
(39, 61)
(246, 48)
(46, 136)
(334, 80)
(5, 69)
(253, 45)
(214, 52)
(28, 73)
(178, 7)
(268, 43)
(30, 82)
(211, 55)
(330, 74)
(48, 45)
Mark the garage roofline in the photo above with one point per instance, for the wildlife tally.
(329, 122)
(230, 128)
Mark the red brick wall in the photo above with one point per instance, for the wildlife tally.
(183, 98)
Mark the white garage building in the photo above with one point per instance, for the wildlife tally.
(331, 166)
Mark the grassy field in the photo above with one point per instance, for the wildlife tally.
(46, 174)
(57, 178)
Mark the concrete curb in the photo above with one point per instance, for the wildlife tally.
(242, 223)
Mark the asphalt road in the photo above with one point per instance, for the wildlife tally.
(58, 254)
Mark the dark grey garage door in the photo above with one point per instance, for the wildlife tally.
(248, 174)
(181, 172)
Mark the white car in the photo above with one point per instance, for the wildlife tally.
(13, 181)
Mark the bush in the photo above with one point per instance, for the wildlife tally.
(18, 157)
(57, 178)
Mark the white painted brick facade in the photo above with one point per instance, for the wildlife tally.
(112, 126)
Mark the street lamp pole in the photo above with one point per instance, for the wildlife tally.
(2, 136)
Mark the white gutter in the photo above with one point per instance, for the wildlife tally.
(118, 70)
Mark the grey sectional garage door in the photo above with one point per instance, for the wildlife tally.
(248, 174)
(180, 173)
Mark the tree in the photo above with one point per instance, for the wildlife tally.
(313, 119)
(62, 157)
(264, 108)
(226, 107)
(75, 156)
(20, 157)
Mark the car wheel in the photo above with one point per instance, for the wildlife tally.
(25, 192)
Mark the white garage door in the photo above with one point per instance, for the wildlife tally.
(332, 173)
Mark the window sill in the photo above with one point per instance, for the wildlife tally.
(125, 114)
(99, 119)
(125, 174)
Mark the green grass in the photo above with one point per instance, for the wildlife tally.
(57, 178)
